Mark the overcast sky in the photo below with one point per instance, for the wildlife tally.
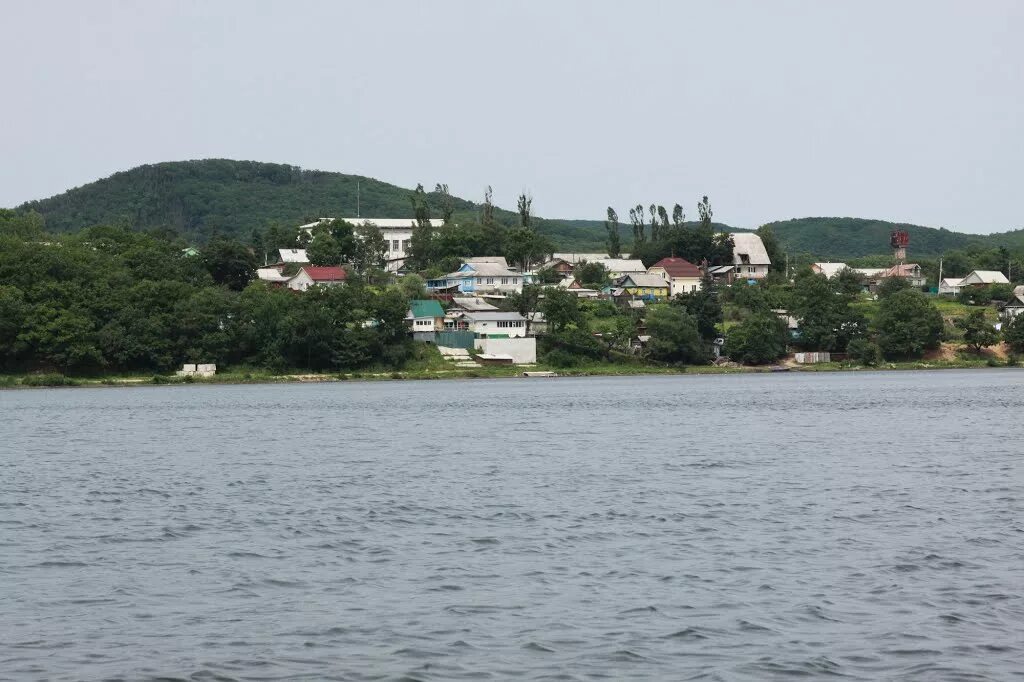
(910, 111)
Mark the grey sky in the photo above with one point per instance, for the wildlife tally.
(899, 110)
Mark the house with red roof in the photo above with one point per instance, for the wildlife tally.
(317, 275)
(683, 277)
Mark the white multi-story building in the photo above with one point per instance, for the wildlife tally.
(397, 233)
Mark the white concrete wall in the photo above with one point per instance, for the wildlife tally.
(523, 351)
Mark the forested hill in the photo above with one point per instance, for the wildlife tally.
(843, 238)
(211, 196)
(232, 198)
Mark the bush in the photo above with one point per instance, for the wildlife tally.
(161, 379)
(49, 380)
(561, 359)
(864, 352)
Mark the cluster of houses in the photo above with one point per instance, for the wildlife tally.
(873, 277)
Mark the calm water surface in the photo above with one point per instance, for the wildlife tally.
(867, 526)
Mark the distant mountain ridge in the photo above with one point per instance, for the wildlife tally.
(203, 197)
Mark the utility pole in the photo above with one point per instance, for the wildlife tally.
(939, 283)
(357, 198)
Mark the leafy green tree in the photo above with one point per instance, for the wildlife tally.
(757, 340)
(864, 351)
(908, 325)
(592, 275)
(421, 248)
(771, 246)
(371, 248)
(674, 336)
(636, 216)
(524, 204)
(524, 302)
(611, 227)
(978, 332)
(62, 338)
(1013, 334)
(525, 247)
(21, 225)
(891, 285)
(13, 312)
(827, 323)
(561, 309)
(705, 308)
(849, 282)
(413, 286)
(325, 250)
(447, 202)
(229, 262)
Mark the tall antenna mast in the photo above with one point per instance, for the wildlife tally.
(357, 198)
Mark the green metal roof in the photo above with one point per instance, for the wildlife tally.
(426, 309)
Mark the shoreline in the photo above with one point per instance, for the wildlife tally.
(42, 381)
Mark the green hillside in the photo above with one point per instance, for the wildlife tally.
(210, 196)
(845, 238)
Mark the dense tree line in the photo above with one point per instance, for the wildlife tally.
(110, 299)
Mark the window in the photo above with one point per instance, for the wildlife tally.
(504, 280)
(515, 280)
(405, 245)
(490, 280)
(394, 245)
(479, 280)
(751, 269)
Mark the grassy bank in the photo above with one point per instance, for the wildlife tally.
(250, 376)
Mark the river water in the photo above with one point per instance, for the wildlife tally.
(862, 525)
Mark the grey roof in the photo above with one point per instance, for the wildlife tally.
(645, 280)
(481, 269)
(750, 245)
(497, 260)
(293, 255)
(472, 303)
(721, 269)
(985, 277)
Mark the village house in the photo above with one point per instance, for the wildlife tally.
(495, 324)
(620, 267)
(721, 274)
(980, 278)
(830, 270)
(424, 318)
(683, 277)
(397, 234)
(908, 271)
(1013, 308)
(559, 265)
(573, 285)
(317, 275)
(749, 256)
(873, 277)
(644, 286)
(481, 276)
(950, 285)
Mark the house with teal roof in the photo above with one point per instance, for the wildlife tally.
(425, 317)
